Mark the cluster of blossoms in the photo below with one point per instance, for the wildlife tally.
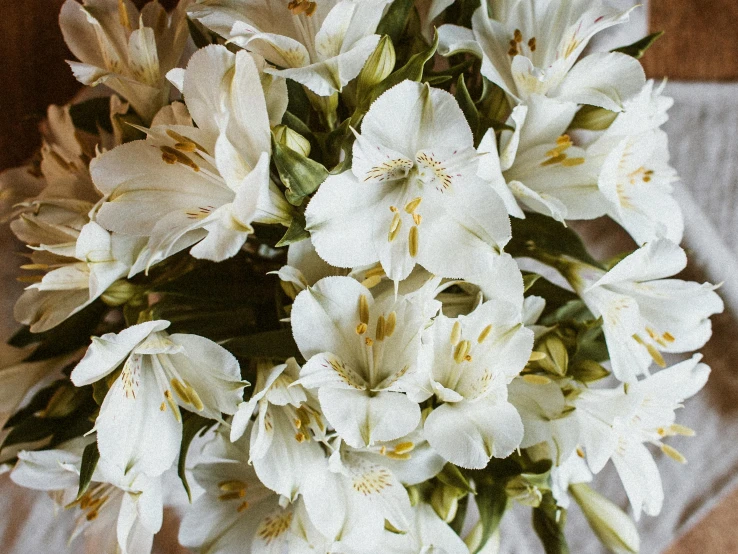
(362, 389)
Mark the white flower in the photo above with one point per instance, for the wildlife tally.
(427, 533)
(636, 177)
(322, 45)
(283, 446)
(204, 184)
(532, 47)
(114, 515)
(360, 358)
(236, 512)
(98, 259)
(470, 360)
(616, 424)
(545, 171)
(644, 313)
(412, 195)
(350, 500)
(139, 428)
(574, 470)
(128, 51)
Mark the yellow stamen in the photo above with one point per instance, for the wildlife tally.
(379, 333)
(404, 447)
(673, 453)
(242, 506)
(232, 486)
(363, 309)
(361, 328)
(682, 430)
(456, 333)
(573, 162)
(536, 356)
(368, 341)
(484, 334)
(417, 218)
(413, 241)
(371, 282)
(413, 204)
(389, 328)
(462, 349)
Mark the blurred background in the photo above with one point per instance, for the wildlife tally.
(699, 55)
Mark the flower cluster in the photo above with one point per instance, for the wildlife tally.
(296, 232)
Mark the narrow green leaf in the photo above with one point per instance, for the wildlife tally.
(270, 344)
(529, 279)
(90, 456)
(192, 424)
(538, 235)
(295, 233)
(394, 21)
(451, 475)
(467, 106)
(491, 500)
(548, 522)
(639, 48)
(301, 175)
(201, 36)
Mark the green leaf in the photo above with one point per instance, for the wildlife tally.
(548, 522)
(451, 475)
(467, 106)
(394, 21)
(457, 524)
(491, 500)
(301, 175)
(90, 456)
(529, 279)
(539, 236)
(295, 233)
(270, 344)
(192, 424)
(638, 49)
(556, 297)
(299, 103)
(412, 70)
(92, 115)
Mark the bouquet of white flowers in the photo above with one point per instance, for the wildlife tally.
(321, 248)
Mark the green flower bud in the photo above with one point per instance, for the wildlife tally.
(556, 359)
(524, 492)
(445, 501)
(611, 525)
(593, 118)
(292, 139)
(119, 293)
(378, 67)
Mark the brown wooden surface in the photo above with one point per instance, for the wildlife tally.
(701, 40)
(32, 73)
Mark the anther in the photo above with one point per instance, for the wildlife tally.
(379, 334)
(462, 349)
(361, 328)
(363, 309)
(456, 333)
(389, 327)
(536, 379)
(484, 334)
(413, 204)
(673, 453)
(413, 241)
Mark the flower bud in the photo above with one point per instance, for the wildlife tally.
(119, 293)
(292, 139)
(588, 371)
(379, 65)
(593, 118)
(611, 525)
(445, 501)
(557, 357)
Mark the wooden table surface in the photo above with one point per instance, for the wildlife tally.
(701, 44)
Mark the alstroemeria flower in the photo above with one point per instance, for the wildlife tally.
(352, 497)
(544, 170)
(470, 360)
(616, 424)
(321, 44)
(140, 426)
(360, 360)
(532, 48)
(636, 177)
(80, 272)
(113, 515)
(128, 51)
(644, 313)
(413, 195)
(201, 185)
(236, 512)
(283, 444)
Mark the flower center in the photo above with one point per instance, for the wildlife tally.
(520, 47)
(558, 154)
